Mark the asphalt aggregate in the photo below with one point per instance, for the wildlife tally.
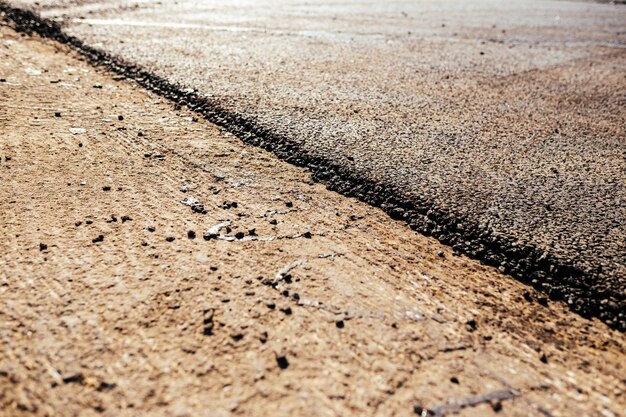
(496, 127)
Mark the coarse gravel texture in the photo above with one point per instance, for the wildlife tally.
(127, 288)
(497, 127)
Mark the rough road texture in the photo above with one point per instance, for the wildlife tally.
(322, 306)
(497, 127)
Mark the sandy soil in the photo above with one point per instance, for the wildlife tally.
(117, 299)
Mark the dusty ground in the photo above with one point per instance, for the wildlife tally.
(110, 306)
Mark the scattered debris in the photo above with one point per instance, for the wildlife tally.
(196, 206)
(214, 231)
(457, 404)
(286, 269)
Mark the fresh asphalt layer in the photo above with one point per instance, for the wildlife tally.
(497, 127)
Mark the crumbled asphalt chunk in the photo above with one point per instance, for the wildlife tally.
(170, 239)
(307, 235)
(228, 205)
(237, 337)
(105, 386)
(151, 229)
(98, 239)
(285, 293)
(282, 362)
(126, 218)
(57, 114)
(88, 221)
(78, 223)
(239, 235)
(340, 324)
(75, 378)
(441, 254)
(106, 188)
(140, 133)
(422, 412)
(289, 204)
(271, 306)
(472, 325)
(43, 247)
(543, 358)
(295, 296)
(195, 204)
(454, 380)
(111, 219)
(120, 117)
(252, 232)
(273, 222)
(287, 311)
(213, 268)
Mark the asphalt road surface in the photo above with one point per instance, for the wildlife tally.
(498, 127)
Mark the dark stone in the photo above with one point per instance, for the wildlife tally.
(282, 362)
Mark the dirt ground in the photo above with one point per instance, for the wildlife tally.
(152, 264)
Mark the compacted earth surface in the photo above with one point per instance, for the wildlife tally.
(153, 264)
(495, 126)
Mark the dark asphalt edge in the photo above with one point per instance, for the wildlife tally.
(557, 278)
